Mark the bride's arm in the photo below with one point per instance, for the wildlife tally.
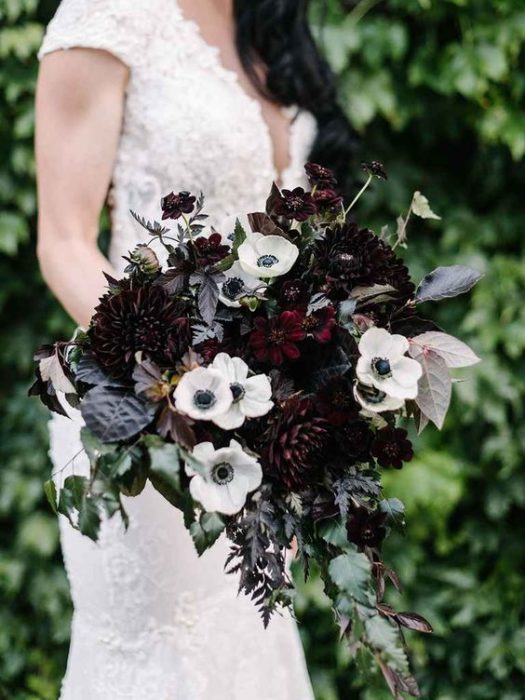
(79, 106)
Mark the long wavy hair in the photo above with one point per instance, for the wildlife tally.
(277, 33)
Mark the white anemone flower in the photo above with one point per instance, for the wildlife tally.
(251, 395)
(383, 364)
(227, 476)
(203, 394)
(267, 256)
(238, 283)
(375, 401)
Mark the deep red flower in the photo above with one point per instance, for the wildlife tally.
(320, 176)
(210, 249)
(276, 338)
(328, 200)
(175, 205)
(319, 324)
(391, 447)
(366, 528)
(294, 293)
(356, 437)
(336, 402)
(295, 204)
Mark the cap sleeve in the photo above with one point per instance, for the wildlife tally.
(117, 26)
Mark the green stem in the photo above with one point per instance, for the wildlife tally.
(358, 195)
(360, 10)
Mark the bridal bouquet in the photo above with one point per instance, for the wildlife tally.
(257, 381)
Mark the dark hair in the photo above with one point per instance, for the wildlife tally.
(277, 33)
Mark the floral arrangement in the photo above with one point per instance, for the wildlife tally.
(257, 380)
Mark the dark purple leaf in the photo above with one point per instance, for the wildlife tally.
(114, 414)
(178, 427)
(444, 282)
(413, 621)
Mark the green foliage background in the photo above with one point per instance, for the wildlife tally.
(436, 89)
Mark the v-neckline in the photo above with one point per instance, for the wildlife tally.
(232, 77)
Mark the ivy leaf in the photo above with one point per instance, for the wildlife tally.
(51, 495)
(351, 574)
(114, 414)
(421, 207)
(454, 352)
(445, 282)
(164, 471)
(89, 518)
(434, 388)
(206, 531)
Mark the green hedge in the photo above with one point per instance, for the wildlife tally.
(436, 88)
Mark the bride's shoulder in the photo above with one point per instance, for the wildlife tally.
(121, 27)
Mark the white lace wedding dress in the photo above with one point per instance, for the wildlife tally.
(153, 621)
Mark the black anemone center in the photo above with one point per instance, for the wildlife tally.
(267, 261)
(382, 367)
(238, 391)
(233, 287)
(204, 398)
(222, 473)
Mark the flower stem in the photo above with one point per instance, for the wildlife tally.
(358, 195)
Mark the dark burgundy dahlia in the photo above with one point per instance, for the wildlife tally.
(143, 319)
(391, 447)
(295, 443)
(175, 205)
(295, 204)
(349, 257)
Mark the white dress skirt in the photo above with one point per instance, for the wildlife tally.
(152, 620)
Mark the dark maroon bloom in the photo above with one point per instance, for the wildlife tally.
(294, 293)
(138, 319)
(328, 200)
(295, 204)
(276, 338)
(319, 324)
(210, 249)
(295, 443)
(391, 447)
(356, 438)
(336, 402)
(320, 176)
(366, 528)
(375, 168)
(349, 257)
(175, 205)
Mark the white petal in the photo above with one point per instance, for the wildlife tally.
(396, 390)
(406, 371)
(203, 379)
(363, 370)
(389, 403)
(233, 418)
(396, 348)
(373, 342)
(204, 452)
(256, 401)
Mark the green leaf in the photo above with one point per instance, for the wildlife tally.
(206, 531)
(334, 532)
(421, 207)
(351, 574)
(51, 495)
(164, 471)
(89, 518)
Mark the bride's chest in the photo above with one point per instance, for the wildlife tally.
(189, 119)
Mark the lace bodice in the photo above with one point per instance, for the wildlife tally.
(188, 123)
(153, 621)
